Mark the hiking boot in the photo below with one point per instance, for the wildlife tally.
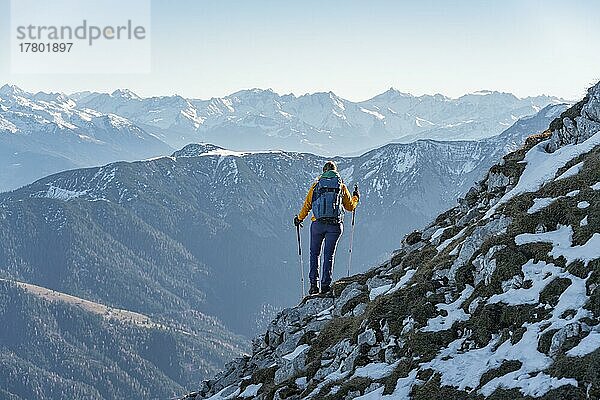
(314, 289)
(325, 289)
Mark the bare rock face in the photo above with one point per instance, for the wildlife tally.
(497, 180)
(485, 265)
(472, 244)
(581, 124)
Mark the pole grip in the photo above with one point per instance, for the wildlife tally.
(298, 235)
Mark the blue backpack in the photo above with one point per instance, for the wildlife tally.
(327, 199)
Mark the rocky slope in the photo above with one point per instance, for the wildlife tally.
(172, 238)
(497, 298)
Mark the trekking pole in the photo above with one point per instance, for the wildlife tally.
(301, 261)
(351, 236)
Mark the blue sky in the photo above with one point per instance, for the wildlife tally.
(355, 48)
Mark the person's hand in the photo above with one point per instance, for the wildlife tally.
(356, 193)
(297, 221)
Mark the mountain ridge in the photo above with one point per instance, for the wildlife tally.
(44, 133)
(138, 192)
(317, 115)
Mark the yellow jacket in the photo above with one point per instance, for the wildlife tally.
(349, 202)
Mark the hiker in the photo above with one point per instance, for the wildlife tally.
(325, 197)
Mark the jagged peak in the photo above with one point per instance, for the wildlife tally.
(390, 94)
(14, 90)
(51, 96)
(125, 94)
(254, 92)
(578, 123)
(488, 94)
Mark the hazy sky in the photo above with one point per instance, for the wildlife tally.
(355, 48)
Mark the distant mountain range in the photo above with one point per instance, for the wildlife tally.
(44, 133)
(321, 123)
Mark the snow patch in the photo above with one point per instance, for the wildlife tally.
(373, 113)
(541, 167)
(561, 240)
(572, 193)
(299, 350)
(540, 274)
(403, 282)
(378, 291)
(454, 313)
(587, 345)
(540, 203)
(55, 192)
(250, 391)
(583, 204)
(375, 370)
(574, 170)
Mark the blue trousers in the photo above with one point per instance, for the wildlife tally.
(330, 233)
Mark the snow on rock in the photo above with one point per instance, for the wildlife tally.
(58, 193)
(540, 203)
(574, 170)
(485, 265)
(403, 282)
(587, 345)
(424, 319)
(573, 193)
(540, 274)
(464, 369)
(583, 204)
(299, 350)
(535, 386)
(454, 313)
(251, 391)
(541, 167)
(375, 370)
(561, 239)
(378, 291)
(448, 241)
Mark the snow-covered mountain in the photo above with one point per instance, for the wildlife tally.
(322, 123)
(497, 298)
(44, 133)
